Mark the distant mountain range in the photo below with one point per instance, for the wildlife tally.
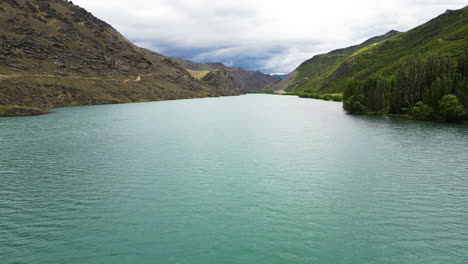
(281, 75)
(247, 80)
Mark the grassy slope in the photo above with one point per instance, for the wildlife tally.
(311, 74)
(198, 74)
(446, 35)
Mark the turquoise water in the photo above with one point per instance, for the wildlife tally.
(249, 179)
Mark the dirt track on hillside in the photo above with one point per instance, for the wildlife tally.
(15, 76)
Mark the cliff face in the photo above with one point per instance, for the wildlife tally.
(222, 83)
(247, 80)
(54, 53)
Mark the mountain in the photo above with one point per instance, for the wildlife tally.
(280, 75)
(247, 80)
(54, 53)
(445, 35)
(421, 74)
(223, 81)
(312, 74)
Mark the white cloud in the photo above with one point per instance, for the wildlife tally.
(268, 35)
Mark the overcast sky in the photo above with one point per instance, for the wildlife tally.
(271, 36)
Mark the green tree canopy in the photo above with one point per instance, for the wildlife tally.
(451, 109)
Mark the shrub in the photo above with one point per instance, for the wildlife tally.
(451, 110)
(421, 111)
(354, 105)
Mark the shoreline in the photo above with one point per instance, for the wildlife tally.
(407, 117)
(24, 111)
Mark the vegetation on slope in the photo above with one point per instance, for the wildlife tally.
(309, 77)
(198, 74)
(424, 87)
(420, 74)
(325, 97)
(446, 35)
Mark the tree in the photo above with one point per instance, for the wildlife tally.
(416, 87)
(451, 110)
(421, 111)
(354, 105)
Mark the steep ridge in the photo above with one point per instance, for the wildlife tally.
(312, 74)
(247, 80)
(54, 53)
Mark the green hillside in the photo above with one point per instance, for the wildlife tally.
(446, 35)
(310, 75)
(421, 74)
(418, 74)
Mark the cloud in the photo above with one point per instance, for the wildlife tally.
(266, 35)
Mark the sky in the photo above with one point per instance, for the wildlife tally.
(270, 36)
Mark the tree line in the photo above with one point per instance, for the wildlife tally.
(423, 87)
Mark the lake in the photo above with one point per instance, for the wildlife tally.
(248, 179)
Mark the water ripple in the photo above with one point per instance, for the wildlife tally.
(251, 179)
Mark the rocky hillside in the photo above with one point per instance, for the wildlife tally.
(223, 81)
(311, 75)
(247, 80)
(54, 53)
